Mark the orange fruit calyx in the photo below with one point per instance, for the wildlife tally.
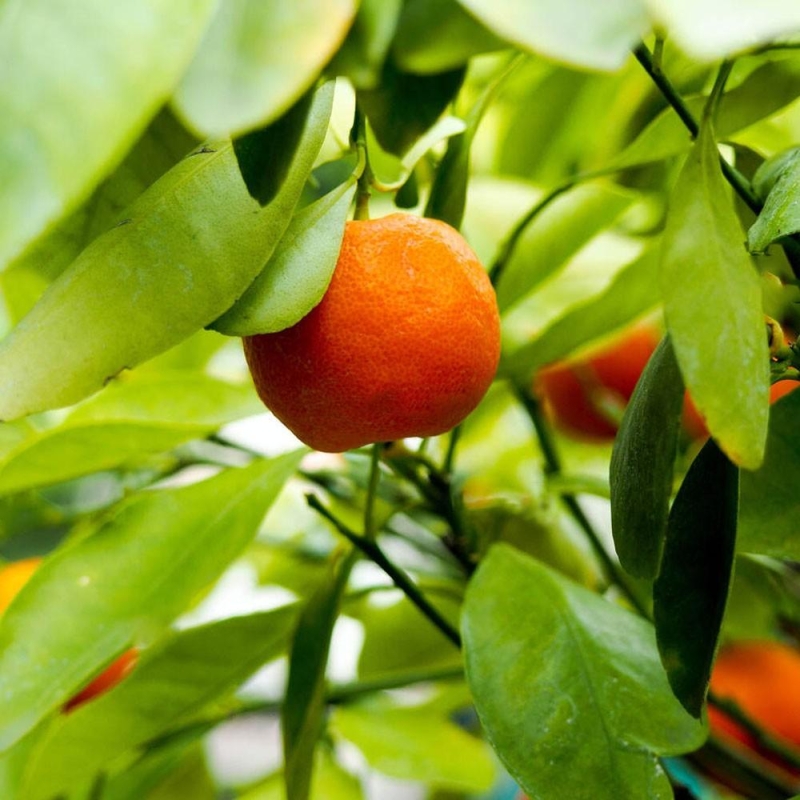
(405, 341)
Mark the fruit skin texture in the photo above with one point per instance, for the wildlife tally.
(405, 342)
(586, 398)
(12, 578)
(763, 678)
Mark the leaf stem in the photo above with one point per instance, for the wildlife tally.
(358, 139)
(399, 578)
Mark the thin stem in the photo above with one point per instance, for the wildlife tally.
(377, 556)
(450, 455)
(552, 466)
(372, 489)
(350, 691)
(715, 97)
(358, 137)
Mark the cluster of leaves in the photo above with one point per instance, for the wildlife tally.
(176, 174)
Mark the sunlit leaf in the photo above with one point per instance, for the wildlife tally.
(780, 216)
(77, 93)
(257, 59)
(185, 252)
(561, 676)
(143, 566)
(712, 304)
(692, 587)
(643, 463)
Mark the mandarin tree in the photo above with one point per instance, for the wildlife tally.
(345, 350)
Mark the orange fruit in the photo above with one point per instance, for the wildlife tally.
(763, 679)
(405, 341)
(587, 397)
(12, 578)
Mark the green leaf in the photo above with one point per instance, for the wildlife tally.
(633, 290)
(265, 155)
(77, 93)
(438, 35)
(780, 216)
(361, 56)
(643, 463)
(192, 778)
(771, 170)
(711, 29)
(561, 676)
(766, 90)
(144, 565)
(297, 275)
(186, 251)
(257, 59)
(583, 32)
(557, 233)
(404, 106)
(712, 304)
(416, 744)
(145, 414)
(692, 587)
(304, 703)
(171, 683)
(768, 521)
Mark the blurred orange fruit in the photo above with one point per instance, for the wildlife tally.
(12, 578)
(405, 342)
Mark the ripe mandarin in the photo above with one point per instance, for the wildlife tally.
(405, 341)
(12, 578)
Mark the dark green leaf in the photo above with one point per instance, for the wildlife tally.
(768, 522)
(561, 677)
(170, 684)
(257, 59)
(364, 51)
(405, 106)
(186, 251)
(304, 703)
(633, 290)
(139, 569)
(781, 213)
(265, 155)
(78, 91)
(556, 234)
(692, 587)
(145, 414)
(643, 462)
(438, 35)
(408, 194)
(297, 275)
(712, 304)
(583, 32)
(418, 744)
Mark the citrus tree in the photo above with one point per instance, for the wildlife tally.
(521, 277)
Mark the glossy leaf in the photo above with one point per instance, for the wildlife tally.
(766, 90)
(768, 521)
(643, 463)
(405, 106)
(304, 702)
(171, 682)
(583, 33)
(417, 744)
(771, 170)
(185, 252)
(712, 304)
(556, 234)
(438, 35)
(692, 587)
(77, 93)
(780, 216)
(87, 604)
(361, 56)
(712, 29)
(633, 291)
(297, 275)
(265, 155)
(257, 59)
(146, 414)
(562, 676)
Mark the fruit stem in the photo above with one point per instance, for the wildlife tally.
(358, 140)
(399, 578)
(372, 489)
